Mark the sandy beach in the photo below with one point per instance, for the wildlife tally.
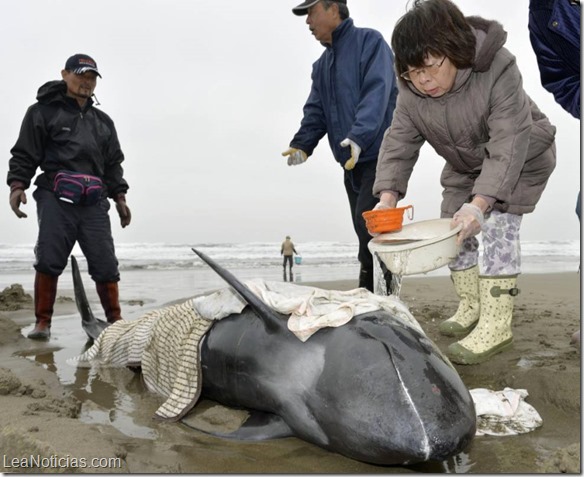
(102, 419)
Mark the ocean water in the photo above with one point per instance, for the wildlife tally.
(172, 271)
(538, 257)
(166, 272)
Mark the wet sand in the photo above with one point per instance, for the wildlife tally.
(50, 408)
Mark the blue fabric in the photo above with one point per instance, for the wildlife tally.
(554, 27)
(353, 94)
(554, 31)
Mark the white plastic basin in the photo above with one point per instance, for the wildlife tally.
(418, 247)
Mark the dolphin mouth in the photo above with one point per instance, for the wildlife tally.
(433, 412)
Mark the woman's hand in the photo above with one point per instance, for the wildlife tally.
(471, 217)
(387, 200)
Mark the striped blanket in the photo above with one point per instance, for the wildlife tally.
(166, 343)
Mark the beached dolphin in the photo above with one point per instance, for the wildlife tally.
(374, 389)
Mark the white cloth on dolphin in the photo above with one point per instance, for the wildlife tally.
(310, 308)
(504, 413)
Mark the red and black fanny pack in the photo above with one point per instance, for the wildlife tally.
(78, 188)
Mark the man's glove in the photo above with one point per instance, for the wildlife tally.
(295, 156)
(123, 210)
(17, 197)
(472, 219)
(355, 152)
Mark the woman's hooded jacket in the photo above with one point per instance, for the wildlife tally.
(495, 140)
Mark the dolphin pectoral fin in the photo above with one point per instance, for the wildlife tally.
(262, 426)
(90, 324)
(257, 426)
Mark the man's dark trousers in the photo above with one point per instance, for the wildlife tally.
(359, 187)
(62, 224)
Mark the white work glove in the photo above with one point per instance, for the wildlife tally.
(472, 219)
(295, 156)
(355, 152)
(387, 200)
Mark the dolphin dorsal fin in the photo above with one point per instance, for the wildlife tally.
(271, 318)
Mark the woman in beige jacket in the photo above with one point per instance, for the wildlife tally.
(461, 91)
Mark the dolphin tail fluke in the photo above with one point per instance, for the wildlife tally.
(271, 318)
(92, 326)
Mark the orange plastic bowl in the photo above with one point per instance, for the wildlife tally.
(383, 221)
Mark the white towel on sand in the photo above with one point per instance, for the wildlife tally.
(504, 413)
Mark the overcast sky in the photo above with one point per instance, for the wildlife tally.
(206, 94)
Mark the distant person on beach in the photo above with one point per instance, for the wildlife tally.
(352, 100)
(76, 147)
(461, 91)
(288, 251)
(554, 31)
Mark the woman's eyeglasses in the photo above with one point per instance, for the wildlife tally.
(431, 70)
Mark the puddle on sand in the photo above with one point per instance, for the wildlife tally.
(534, 360)
(108, 395)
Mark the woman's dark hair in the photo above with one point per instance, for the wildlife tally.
(343, 9)
(435, 27)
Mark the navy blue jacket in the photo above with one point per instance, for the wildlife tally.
(56, 134)
(353, 94)
(554, 31)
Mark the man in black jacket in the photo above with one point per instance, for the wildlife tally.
(77, 149)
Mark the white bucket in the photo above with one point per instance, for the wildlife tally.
(418, 247)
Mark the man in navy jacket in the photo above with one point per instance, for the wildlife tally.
(554, 31)
(352, 100)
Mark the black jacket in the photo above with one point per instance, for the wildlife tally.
(56, 134)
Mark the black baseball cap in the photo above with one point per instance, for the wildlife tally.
(302, 9)
(80, 63)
